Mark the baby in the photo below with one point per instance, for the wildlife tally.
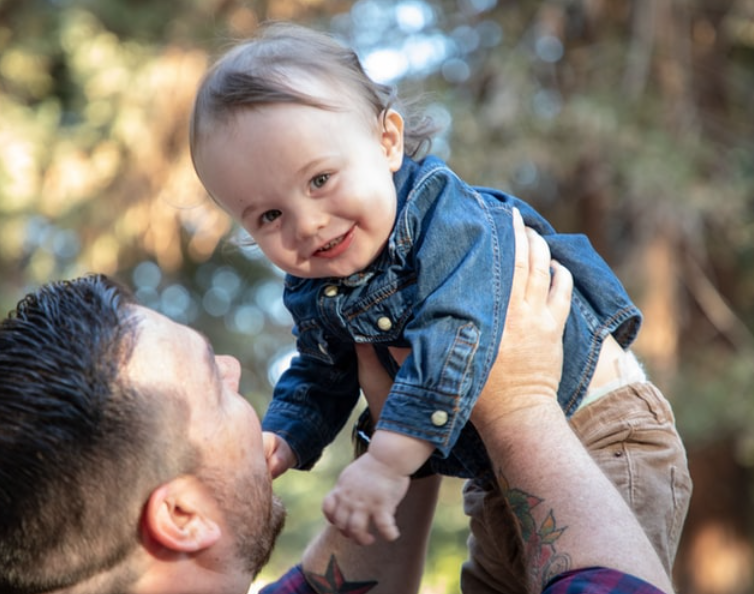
(384, 248)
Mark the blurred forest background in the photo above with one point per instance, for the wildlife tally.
(630, 121)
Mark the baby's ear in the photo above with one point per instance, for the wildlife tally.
(392, 138)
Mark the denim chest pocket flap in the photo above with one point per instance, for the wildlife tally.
(312, 342)
(377, 314)
(380, 323)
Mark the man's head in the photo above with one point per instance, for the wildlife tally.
(125, 449)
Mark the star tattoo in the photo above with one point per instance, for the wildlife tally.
(334, 582)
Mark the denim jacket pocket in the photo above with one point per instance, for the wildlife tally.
(311, 341)
(381, 316)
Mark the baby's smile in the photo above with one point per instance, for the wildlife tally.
(331, 244)
(335, 247)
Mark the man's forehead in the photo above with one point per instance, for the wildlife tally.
(165, 347)
(166, 364)
(155, 326)
(157, 323)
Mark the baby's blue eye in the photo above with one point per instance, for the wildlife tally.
(320, 180)
(269, 216)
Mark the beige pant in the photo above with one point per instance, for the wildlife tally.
(631, 434)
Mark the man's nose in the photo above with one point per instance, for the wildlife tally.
(230, 370)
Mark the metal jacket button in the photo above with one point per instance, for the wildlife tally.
(331, 291)
(439, 418)
(384, 323)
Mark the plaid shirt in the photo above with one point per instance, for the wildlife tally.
(594, 580)
(598, 580)
(292, 582)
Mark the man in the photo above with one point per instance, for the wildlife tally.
(130, 463)
(126, 452)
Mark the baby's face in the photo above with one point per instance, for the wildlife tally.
(313, 187)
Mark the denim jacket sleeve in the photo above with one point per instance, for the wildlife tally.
(453, 239)
(314, 397)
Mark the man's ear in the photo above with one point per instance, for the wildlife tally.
(181, 516)
(392, 138)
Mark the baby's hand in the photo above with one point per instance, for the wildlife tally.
(368, 492)
(279, 455)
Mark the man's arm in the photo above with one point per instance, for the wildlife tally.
(334, 563)
(570, 514)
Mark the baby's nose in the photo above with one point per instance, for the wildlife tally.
(310, 222)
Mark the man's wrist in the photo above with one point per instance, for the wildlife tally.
(491, 410)
(532, 416)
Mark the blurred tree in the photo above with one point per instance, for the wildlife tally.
(629, 121)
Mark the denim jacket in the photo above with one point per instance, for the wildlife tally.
(440, 287)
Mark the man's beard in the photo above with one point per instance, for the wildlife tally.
(256, 549)
(253, 513)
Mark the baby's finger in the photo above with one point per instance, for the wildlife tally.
(337, 511)
(358, 528)
(329, 506)
(269, 443)
(277, 465)
(386, 526)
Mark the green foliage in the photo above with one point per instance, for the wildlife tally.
(629, 136)
(716, 393)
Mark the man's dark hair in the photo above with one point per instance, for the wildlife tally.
(75, 440)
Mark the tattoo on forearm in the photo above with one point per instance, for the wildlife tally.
(334, 582)
(543, 560)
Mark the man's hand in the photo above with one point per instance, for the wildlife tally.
(530, 359)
